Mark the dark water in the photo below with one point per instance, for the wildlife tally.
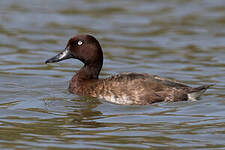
(181, 39)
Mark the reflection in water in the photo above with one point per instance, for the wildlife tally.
(85, 116)
(176, 39)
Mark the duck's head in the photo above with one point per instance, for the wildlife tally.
(82, 47)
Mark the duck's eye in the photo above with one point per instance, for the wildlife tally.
(79, 43)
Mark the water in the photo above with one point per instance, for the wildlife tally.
(179, 39)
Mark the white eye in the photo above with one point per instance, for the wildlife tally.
(79, 42)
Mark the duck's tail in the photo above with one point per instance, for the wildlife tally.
(195, 93)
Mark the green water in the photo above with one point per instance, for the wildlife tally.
(179, 39)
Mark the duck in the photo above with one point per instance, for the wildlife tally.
(124, 88)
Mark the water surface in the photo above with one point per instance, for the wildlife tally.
(181, 39)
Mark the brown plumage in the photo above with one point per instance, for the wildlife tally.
(124, 88)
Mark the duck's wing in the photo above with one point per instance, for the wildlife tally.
(170, 82)
(150, 77)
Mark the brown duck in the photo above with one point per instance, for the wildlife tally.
(124, 88)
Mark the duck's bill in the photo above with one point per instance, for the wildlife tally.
(59, 57)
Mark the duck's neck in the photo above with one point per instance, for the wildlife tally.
(89, 71)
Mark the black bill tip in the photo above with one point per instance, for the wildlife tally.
(47, 61)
